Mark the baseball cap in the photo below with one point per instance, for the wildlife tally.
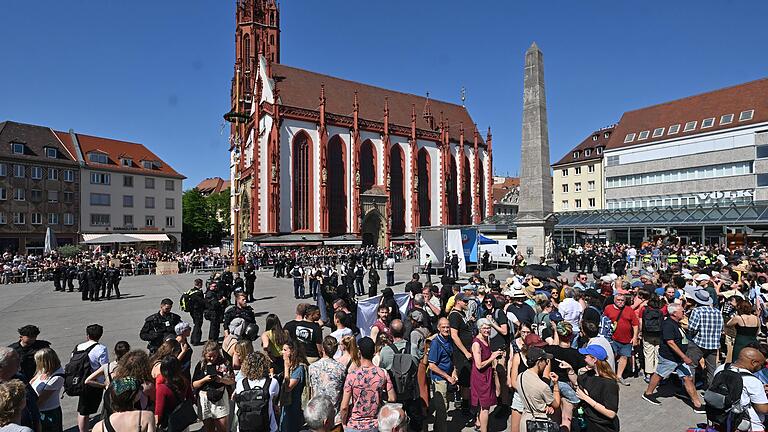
(535, 354)
(555, 316)
(533, 340)
(595, 351)
(461, 297)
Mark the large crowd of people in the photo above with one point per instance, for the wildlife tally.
(534, 351)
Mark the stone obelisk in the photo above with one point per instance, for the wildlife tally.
(535, 220)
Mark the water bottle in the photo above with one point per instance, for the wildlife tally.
(582, 422)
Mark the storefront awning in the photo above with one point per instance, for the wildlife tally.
(123, 238)
(343, 242)
(150, 237)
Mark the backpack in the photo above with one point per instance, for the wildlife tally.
(723, 399)
(185, 302)
(404, 373)
(652, 320)
(77, 370)
(253, 407)
(540, 322)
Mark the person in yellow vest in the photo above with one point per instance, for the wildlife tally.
(672, 258)
(693, 260)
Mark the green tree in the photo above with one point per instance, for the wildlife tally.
(205, 220)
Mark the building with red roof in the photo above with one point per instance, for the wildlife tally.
(212, 185)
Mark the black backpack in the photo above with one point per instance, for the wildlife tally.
(652, 320)
(253, 405)
(77, 370)
(404, 373)
(723, 398)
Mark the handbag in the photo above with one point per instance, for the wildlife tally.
(215, 394)
(182, 416)
(537, 425)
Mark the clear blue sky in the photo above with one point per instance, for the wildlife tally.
(158, 72)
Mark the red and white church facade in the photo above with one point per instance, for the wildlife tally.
(319, 157)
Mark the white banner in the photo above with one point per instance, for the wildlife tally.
(431, 242)
(366, 311)
(455, 244)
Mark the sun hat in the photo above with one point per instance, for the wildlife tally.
(698, 295)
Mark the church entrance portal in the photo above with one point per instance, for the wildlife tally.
(373, 229)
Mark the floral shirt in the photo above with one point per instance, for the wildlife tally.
(326, 377)
(366, 384)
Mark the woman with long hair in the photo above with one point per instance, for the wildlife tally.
(13, 401)
(295, 379)
(242, 349)
(183, 332)
(350, 355)
(211, 377)
(272, 341)
(747, 325)
(174, 390)
(169, 347)
(597, 386)
(256, 372)
(107, 370)
(48, 382)
(124, 394)
(134, 364)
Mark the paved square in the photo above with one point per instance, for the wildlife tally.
(62, 318)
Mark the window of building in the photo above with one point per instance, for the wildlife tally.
(612, 161)
(599, 150)
(577, 170)
(591, 168)
(99, 219)
(148, 165)
(128, 221)
(19, 218)
(53, 174)
(3, 170)
(149, 202)
(575, 155)
(643, 135)
(3, 194)
(149, 221)
(100, 178)
(36, 172)
(68, 197)
(762, 151)
(53, 218)
(658, 132)
(587, 152)
(594, 137)
(69, 219)
(565, 172)
(691, 125)
(53, 196)
(17, 148)
(673, 129)
(169, 185)
(591, 203)
(707, 122)
(629, 138)
(746, 115)
(19, 194)
(100, 199)
(565, 204)
(725, 119)
(577, 186)
(169, 221)
(36, 195)
(127, 200)
(3, 220)
(762, 180)
(591, 185)
(149, 183)
(565, 188)
(577, 203)
(18, 171)
(169, 203)
(51, 153)
(98, 158)
(127, 181)
(127, 162)
(69, 176)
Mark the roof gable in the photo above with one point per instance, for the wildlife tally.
(587, 149)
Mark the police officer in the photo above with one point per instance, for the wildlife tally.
(215, 303)
(238, 284)
(94, 282)
(455, 265)
(250, 280)
(196, 309)
(57, 276)
(82, 281)
(71, 274)
(113, 281)
(359, 273)
(239, 310)
(159, 325)
(298, 281)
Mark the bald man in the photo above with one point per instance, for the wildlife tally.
(387, 354)
(753, 393)
(392, 418)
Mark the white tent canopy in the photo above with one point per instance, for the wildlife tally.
(123, 238)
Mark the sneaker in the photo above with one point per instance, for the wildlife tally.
(623, 382)
(699, 410)
(652, 398)
(647, 379)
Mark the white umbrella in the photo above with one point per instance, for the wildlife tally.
(50, 241)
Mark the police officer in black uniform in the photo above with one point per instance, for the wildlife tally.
(238, 284)
(159, 325)
(70, 273)
(113, 281)
(94, 282)
(239, 310)
(82, 281)
(250, 280)
(57, 276)
(215, 303)
(196, 309)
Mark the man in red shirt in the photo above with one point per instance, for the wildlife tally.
(625, 334)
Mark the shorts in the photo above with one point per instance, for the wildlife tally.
(568, 392)
(622, 349)
(89, 401)
(517, 403)
(213, 410)
(463, 370)
(667, 367)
